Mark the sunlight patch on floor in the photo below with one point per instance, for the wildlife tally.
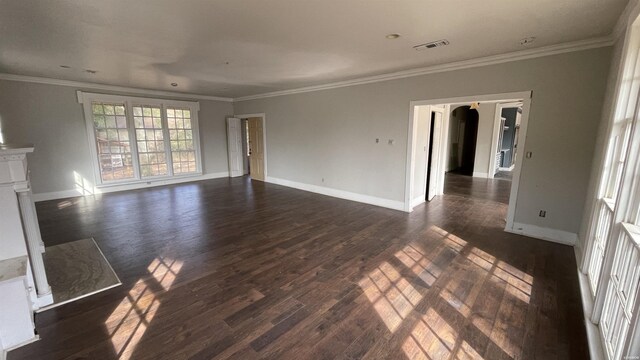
(165, 270)
(433, 338)
(392, 296)
(130, 320)
(419, 265)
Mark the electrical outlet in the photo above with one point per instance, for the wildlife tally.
(543, 213)
(391, 141)
(377, 141)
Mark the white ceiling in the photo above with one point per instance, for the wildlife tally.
(235, 48)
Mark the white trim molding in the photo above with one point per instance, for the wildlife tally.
(114, 88)
(543, 233)
(630, 13)
(418, 200)
(64, 194)
(458, 65)
(341, 194)
(596, 351)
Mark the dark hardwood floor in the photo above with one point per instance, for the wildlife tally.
(496, 190)
(231, 268)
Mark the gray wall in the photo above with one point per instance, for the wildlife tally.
(50, 117)
(331, 133)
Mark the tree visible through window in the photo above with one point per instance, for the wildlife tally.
(150, 140)
(112, 141)
(139, 138)
(183, 152)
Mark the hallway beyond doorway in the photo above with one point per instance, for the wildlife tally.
(478, 188)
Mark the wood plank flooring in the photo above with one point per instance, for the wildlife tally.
(233, 268)
(497, 189)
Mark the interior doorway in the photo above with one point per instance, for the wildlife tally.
(427, 173)
(508, 122)
(464, 122)
(457, 141)
(247, 146)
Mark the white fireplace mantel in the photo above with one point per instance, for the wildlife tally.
(20, 248)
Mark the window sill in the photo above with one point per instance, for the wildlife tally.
(633, 231)
(149, 180)
(611, 204)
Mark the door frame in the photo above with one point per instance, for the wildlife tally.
(440, 161)
(496, 133)
(264, 137)
(524, 96)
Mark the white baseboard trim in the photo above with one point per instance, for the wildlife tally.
(56, 195)
(367, 199)
(596, 350)
(43, 301)
(417, 201)
(5, 352)
(538, 232)
(107, 189)
(480, 174)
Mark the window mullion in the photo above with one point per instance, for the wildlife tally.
(167, 140)
(133, 140)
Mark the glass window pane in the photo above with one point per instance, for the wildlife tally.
(151, 150)
(181, 140)
(112, 142)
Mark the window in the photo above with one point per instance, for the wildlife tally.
(612, 254)
(112, 141)
(183, 152)
(150, 140)
(136, 139)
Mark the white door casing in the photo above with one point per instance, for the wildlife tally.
(436, 149)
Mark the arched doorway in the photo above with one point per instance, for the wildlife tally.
(463, 151)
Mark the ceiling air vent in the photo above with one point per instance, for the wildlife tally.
(432, 44)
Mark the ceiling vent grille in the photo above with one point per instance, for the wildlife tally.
(431, 45)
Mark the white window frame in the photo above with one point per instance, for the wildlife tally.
(620, 195)
(87, 99)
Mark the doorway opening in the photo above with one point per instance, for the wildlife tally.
(247, 149)
(463, 128)
(468, 146)
(506, 146)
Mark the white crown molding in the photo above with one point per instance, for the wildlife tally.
(458, 65)
(120, 89)
(629, 13)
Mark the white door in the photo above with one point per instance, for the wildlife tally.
(435, 169)
(234, 147)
